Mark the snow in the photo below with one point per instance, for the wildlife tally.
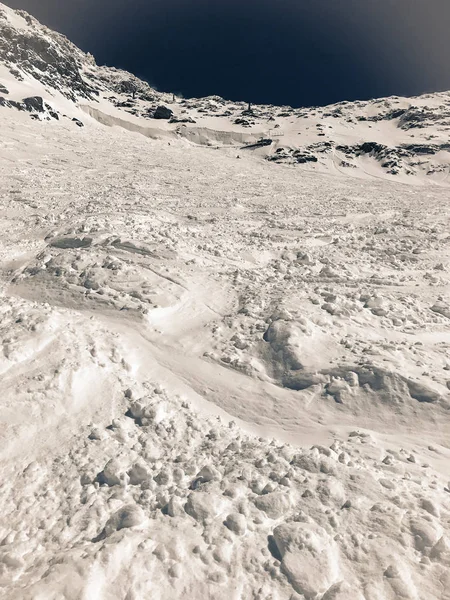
(222, 377)
(15, 18)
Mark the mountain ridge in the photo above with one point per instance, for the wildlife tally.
(394, 137)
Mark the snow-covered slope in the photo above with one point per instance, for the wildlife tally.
(221, 377)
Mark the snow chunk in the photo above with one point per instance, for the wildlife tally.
(309, 557)
(236, 523)
(275, 504)
(126, 517)
(203, 505)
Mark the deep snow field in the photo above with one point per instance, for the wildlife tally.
(221, 377)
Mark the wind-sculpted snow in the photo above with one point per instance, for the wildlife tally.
(218, 379)
(222, 378)
(161, 502)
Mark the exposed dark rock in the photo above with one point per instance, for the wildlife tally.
(395, 114)
(370, 147)
(258, 144)
(146, 96)
(34, 103)
(125, 104)
(71, 242)
(422, 148)
(18, 105)
(305, 158)
(17, 74)
(49, 58)
(175, 119)
(3, 89)
(128, 86)
(243, 122)
(162, 112)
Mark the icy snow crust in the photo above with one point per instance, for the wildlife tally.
(222, 377)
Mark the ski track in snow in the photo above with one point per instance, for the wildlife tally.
(221, 377)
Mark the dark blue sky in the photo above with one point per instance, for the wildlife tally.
(297, 52)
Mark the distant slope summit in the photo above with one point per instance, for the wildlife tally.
(398, 138)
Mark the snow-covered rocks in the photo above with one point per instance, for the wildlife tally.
(202, 505)
(237, 523)
(125, 518)
(140, 473)
(114, 473)
(274, 504)
(310, 558)
(426, 533)
(208, 473)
